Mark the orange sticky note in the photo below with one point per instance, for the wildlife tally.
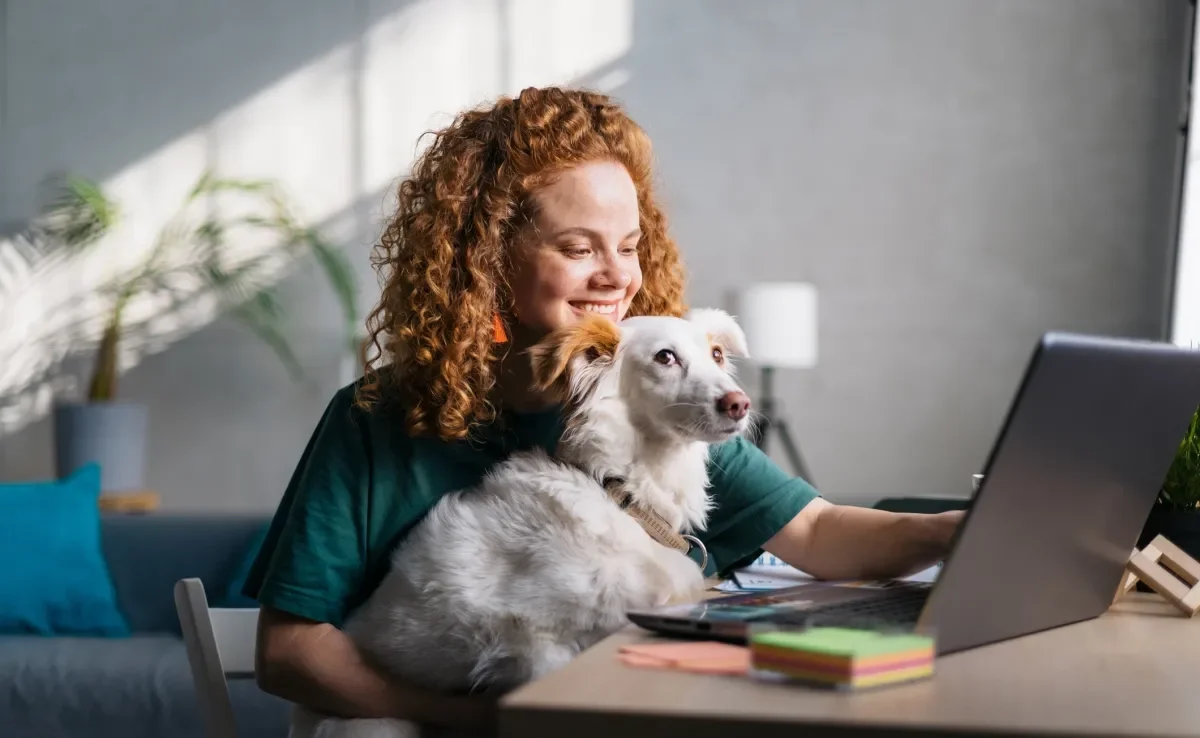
(702, 657)
(636, 659)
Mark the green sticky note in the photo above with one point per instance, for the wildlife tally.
(846, 642)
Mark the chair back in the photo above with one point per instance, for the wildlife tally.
(220, 645)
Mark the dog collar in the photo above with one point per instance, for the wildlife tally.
(655, 525)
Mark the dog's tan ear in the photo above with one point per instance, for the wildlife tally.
(568, 360)
(721, 328)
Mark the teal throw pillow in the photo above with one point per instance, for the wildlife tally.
(54, 579)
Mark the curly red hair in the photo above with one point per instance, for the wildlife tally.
(443, 258)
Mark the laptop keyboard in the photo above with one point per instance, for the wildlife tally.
(898, 607)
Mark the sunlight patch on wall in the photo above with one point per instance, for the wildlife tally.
(300, 132)
(335, 133)
(54, 308)
(420, 67)
(556, 42)
(437, 58)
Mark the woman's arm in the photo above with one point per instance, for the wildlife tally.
(845, 542)
(318, 666)
(311, 565)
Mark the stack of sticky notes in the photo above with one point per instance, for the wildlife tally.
(698, 657)
(843, 657)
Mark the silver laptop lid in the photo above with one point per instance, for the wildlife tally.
(1070, 481)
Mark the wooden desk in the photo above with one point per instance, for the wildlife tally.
(1135, 671)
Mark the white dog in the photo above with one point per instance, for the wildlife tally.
(506, 582)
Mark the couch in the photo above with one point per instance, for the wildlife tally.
(137, 686)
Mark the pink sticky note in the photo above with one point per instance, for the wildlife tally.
(706, 657)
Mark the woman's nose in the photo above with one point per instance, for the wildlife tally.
(613, 275)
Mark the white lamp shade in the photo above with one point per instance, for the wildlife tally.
(780, 322)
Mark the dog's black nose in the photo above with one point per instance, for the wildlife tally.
(734, 404)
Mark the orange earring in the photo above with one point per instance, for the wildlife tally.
(499, 335)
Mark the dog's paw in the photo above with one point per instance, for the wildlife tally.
(684, 579)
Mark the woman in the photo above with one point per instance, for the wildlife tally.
(516, 220)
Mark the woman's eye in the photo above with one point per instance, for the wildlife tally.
(629, 250)
(718, 355)
(666, 357)
(575, 248)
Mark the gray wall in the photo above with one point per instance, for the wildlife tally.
(955, 177)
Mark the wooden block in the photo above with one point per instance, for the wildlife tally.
(1166, 569)
(129, 502)
(1174, 558)
(1129, 580)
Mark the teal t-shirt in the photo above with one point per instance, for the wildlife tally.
(362, 483)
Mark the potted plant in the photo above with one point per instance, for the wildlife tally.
(1176, 512)
(190, 260)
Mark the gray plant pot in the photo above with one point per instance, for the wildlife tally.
(111, 434)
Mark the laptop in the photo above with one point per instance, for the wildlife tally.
(1066, 489)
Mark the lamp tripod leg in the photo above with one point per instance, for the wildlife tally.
(761, 432)
(793, 453)
(768, 421)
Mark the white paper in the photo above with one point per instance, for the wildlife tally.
(769, 573)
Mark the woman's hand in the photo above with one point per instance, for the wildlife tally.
(318, 666)
(845, 542)
(943, 529)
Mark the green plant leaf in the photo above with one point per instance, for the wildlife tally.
(1181, 488)
(341, 277)
(262, 316)
(233, 286)
(77, 214)
(210, 184)
(192, 251)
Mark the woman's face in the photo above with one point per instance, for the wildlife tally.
(580, 254)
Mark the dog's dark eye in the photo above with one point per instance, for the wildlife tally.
(718, 355)
(666, 357)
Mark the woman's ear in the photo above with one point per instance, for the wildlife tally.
(568, 362)
(721, 328)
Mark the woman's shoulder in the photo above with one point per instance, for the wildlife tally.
(754, 499)
(738, 466)
(360, 484)
(348, 408)
(733, 456)
(376, 434)
(351, 420)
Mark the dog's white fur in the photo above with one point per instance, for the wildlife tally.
(508, 581)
